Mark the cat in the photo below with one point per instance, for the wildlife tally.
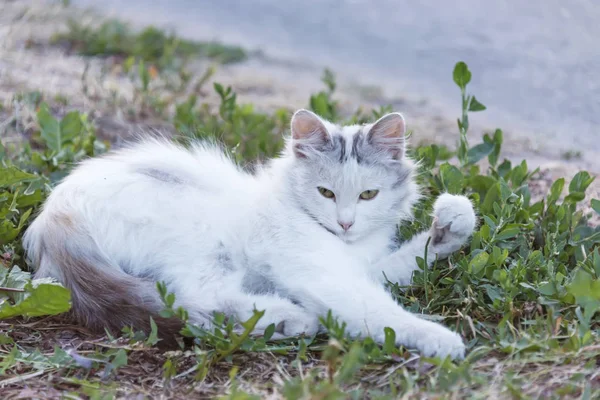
(309, 231)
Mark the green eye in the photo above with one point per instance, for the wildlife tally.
(326, 193)
(368, 194)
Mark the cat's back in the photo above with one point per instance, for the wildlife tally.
(201, 166)
(153, 182)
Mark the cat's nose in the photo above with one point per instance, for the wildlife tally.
(345, 225)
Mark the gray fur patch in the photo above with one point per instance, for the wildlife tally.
(357, 144)
(224, 258)
(255, 282)
(402, 175)
(364, 152)
(335, 149)
(160, 175)
(340, 146)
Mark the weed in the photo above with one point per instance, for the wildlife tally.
(152, 45)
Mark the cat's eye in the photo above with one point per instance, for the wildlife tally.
(326, 193)
(368, 194)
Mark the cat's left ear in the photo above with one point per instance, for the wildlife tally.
(387, 134)
(308, 133)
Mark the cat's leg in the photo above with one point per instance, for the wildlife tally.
(367, 309)
(454, 221)
(228, 298)
(289, 319)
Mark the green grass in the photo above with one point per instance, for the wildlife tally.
(152, 45)
(524, 294)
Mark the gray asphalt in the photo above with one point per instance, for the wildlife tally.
(536, 63)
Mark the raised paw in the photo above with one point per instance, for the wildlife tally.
(454, 221)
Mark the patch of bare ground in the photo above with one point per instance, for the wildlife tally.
(264, 373)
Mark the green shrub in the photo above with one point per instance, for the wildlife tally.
(151, 45)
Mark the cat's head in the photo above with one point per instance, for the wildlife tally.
(352, 180)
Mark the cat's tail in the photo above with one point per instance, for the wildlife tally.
(102, 295)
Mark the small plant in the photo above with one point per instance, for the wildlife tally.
(152, 45)
(251, 135)
(322, 103)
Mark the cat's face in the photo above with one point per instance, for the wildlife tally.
(352, 180)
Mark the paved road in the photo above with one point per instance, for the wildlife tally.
(536, 63)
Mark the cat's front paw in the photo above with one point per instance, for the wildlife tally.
(454, 221)
(439, 341)
(430, 339)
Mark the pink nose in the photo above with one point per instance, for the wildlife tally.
(345, 225)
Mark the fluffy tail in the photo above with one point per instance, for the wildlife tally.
(103, 296)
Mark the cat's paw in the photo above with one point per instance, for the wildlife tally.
(307, 326)
(294, 322)
(429, 339)
(454, 221)
(439, 341)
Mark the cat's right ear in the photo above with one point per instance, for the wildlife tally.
(308, 133)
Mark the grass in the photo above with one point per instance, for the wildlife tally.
(152, 45)
(524, 294)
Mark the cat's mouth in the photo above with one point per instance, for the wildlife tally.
(345, 236)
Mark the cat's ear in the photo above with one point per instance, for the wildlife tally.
(308, 133)
(387, 134)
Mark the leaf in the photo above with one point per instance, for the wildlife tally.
(16, 278)
(70, 127)
(452, 178)
(475, 105)
(219, 89)
(497, 140)
(389, 344)
(504, 168)
(508, 233)
(547, 289)
(120, 359)
(153, 337)
(11, 175)
(586, 291)
(461, 74)
(481, 184)
(596, 205)
(493, 292)
(596, 261)
(492, 196)
(8, 232)
(580, 182)
(476, 153)
(556, 190)
(50, 128)
(574, 197)
(351, 363)
(40, 299)
(269, 332)
(479, 262)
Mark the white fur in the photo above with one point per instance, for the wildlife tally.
(227, 240)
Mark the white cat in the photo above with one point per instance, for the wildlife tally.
(310, 232)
